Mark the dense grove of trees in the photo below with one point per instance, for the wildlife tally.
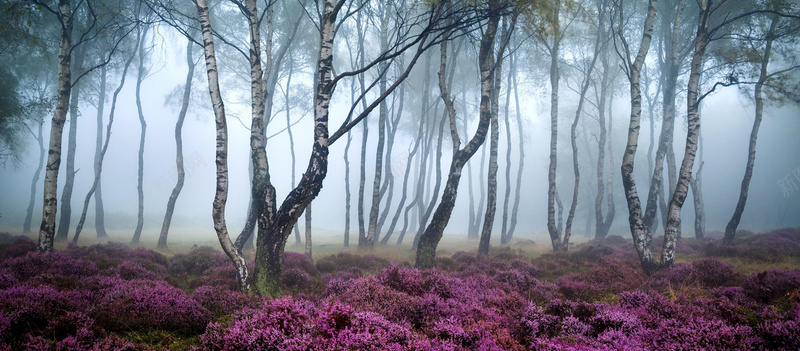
(432, 71)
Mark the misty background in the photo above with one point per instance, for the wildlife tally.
(727, 115)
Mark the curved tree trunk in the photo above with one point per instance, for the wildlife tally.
(429, 240)
(173, 197)
(639, 231)
(587, 81)
(733, 224)
(221, 159)
(143, 124)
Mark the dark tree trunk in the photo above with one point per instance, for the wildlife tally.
(143, 124)
(26, 227)
(69, 176)
(429, 240)
(297, 239)
(587, 81)
(733, 224)
(507, 193)
(438, 183)
(520, 165)
(404, 196)
(419, 171)
(173, 197)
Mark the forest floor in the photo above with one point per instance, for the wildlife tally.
(108, 296)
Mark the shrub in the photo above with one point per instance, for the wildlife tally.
(198, 261)
(54, 265)
(16, 248)
(295, 260)
(297, 280)
(344, 261)
(137, 304)
(220, 301)
(772, 284)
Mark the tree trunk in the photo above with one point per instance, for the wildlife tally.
(670, 70)
(639, 231)
(26, 227)
(699, 206)
(693, 116)
(99, 211)
(272, 240)
(429, 240)
(347, 191)
(377, 194)
(388, 185)
(438, 182)
(221, 159)
(364, 240)
(405, 187)
(600, 221)
(307, 215)
(98, 171)
(521, 140)
(173, 197)
(47, 228)
(69, 176)
(733, 224)
(491, 184)
(419, 171)
(297, 239)
(507, 193)
(587, 81)
(552, 227)
(143, 124)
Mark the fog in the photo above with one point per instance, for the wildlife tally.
(727, 117)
